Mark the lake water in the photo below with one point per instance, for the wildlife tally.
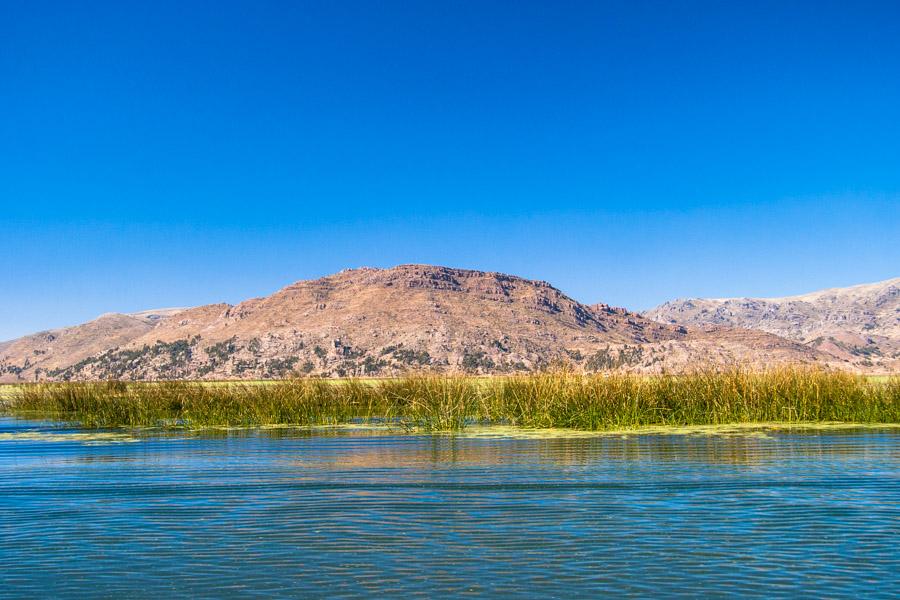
(356, 513)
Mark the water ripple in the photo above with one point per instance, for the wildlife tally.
(358, 513)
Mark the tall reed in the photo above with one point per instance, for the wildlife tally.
(444, 403)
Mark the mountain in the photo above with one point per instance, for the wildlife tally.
(858, 326)
(382, 322)
(58, 348)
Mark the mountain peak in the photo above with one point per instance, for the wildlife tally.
(379, 322)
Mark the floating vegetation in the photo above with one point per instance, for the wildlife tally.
(556, 400)
(729, 430)
(98, 437)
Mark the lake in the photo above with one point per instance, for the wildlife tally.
(357, 512)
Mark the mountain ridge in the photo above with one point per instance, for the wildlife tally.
(857, 325)
(381, 322)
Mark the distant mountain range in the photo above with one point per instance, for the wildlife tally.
(858, 326)
(380, 322)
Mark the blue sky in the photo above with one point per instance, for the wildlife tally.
(178, 153)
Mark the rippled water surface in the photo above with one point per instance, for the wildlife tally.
(356, 512)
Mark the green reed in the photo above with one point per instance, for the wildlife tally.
(447, 403)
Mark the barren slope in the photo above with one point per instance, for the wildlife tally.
(29, 357)
(858, 325)
(383, 322)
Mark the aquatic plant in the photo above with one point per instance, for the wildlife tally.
(446, 403)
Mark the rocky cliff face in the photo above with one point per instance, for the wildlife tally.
(857, 326)
(379, 322)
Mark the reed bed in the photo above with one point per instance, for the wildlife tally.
(448, 403)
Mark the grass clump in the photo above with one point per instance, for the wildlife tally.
(448, 403)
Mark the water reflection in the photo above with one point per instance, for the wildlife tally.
(349, 512)
(747, 447)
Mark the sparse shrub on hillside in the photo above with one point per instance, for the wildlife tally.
(221, 351)
(412, 357)
(473, 360)
(347, 368)
(349, 352)
(243, 366)
(575, 355)
(168, 359)
(279, 367)
(407, 356)
(606, 360)
(372, 366)
(13, 369)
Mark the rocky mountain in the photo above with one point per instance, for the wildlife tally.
(58, 348)
(858, 326)
(377, 322)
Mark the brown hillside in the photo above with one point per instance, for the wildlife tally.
(856, 326)
(386, 321)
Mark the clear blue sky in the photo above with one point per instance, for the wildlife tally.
(177, 153)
